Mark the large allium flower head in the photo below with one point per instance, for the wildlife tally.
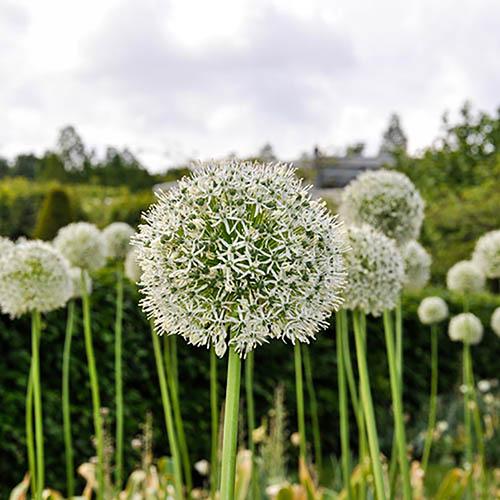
(35, 277)
(76, 282)
(132, 270)
(375, 271)
(82, 244)
(240, 254)
(467, 328)
(5, 245)
(417, 265)
(465, 277)
(487, 254)
(386, 200)
(495, 321)
(432, 310)
(116, 238)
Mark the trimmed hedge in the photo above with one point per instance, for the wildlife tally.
(273, 364)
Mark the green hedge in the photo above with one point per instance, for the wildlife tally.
(273, 363)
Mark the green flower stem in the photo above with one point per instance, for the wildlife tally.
(299, 390)
(94, 387)
(68, 445)
(37, 398)
(467, 420)
(214, 414)
(343, 410)
(230, 432)
(119, 377)
(367, 403)
(170, 357)
(313, 408)
(167, 411)
(433, 398)
(249, 363)
(397, 406)
(30, 440)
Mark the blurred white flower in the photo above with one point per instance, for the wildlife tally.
(132, 269)
(417, 264)
(467, 328)
(239, 254)
(34, 277)
(82, 244)
(116, 239)
(375, 271)
(484, 385)
(136, 443)
(75, 274)
(386, 200)
(487, 254)
(495, 321)
(295, 439)
(5, 246)
(432, 310)
(259, 434)
(442, 426)
(202, 467)
(465, 277)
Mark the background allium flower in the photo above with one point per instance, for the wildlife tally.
(432, 310)
(495, 321)
(35, 277)
(239, 253)
(487, 254)
(464, 277)
(375, 271)
(467, 328)
(75, 274)
(116, 238)
(417, 264)
(386, 200)
(5, 245)
(132, 269)
(82, 244)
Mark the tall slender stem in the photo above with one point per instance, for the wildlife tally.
(30, 439)
(467, 422)
(119, 377)
(167, 412)
(366, 401)
(299, 390)
(214, 414)
(397, 406)
(251, 419)
(230, 433)
(343, 410)
(313, 408)
(433, 398)
(94, 387)
(66, 411)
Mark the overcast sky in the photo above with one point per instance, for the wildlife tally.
(174, 79)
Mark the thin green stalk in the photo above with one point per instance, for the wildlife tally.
(251, 420)
(68, 445)
(94, 387)
(230, 432)
(343, 410)
(30, 440)
(167, 412)
(119, 378)
(397, 406)
(170, 357)
(367, 403)
(433, 398)
(214, 415)
(37, 398)
(467, 422)
(299, 390)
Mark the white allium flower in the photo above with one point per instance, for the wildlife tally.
(202, 467)
(35, 277)
(467, 328)
(417, 265)
(465, 277)
(386, 200)
(116, 238)
(375, 271)
(76, 282)
(82, 244)
(5, 245)
(239, 254)
(132, 270)
(432, 310)
(495, 321)
(487, 254)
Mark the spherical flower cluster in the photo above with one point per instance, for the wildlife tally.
(35, 277)
(375, 271)
(75, 274)
(132, 269)
(82, 244)
(417, 266)
(240, 254)
(116, 238)
(465, 277)
(487, 254)
(467, 328)
(386, 200)
(495, 321)
(5, 245)
(432, 310)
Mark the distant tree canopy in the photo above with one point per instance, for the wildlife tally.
(394, 139)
